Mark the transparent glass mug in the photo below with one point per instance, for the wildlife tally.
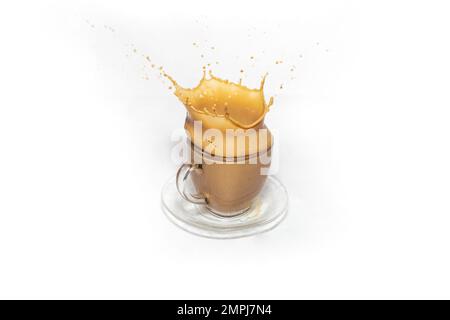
(226, 186)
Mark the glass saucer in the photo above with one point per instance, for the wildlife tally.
(267, 210)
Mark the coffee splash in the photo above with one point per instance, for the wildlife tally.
(227, 107)
(214, 97)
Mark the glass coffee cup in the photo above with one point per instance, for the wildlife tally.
(226, 186)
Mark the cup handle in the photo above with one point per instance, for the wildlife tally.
(182, 175)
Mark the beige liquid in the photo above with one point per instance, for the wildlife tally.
(224, 105)
(219, 104)
(230, 188)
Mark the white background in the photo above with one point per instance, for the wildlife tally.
(363, 133)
